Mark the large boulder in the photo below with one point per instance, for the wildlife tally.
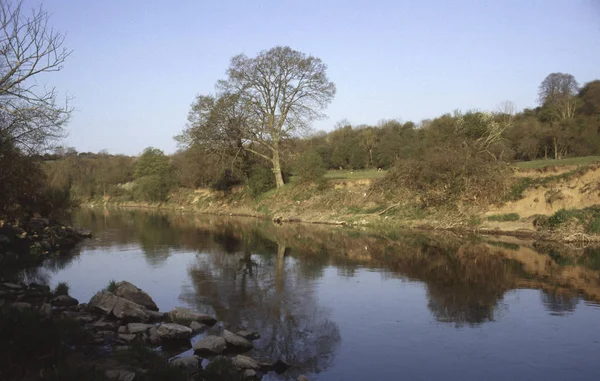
(130, 292)
(129, 311)
(138, 327)
(170, 331)
(245, 362)
(212, 345)
(236, 341)
(182, 314)
(103, 302)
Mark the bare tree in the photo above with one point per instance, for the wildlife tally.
(282, 90)
(31, 114)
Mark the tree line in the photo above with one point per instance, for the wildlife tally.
(452, 151)
(254, 130)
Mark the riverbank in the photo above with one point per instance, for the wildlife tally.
(28, 242)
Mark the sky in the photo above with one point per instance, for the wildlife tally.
(136, 65)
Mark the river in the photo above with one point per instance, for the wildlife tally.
(344, 304)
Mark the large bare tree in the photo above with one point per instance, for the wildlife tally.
(32, 116)
(281, 92)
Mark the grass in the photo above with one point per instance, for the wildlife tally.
(354, 175)
(112, 286)
(588, 217)
(62, 288)
(524, 183)
(583, 160)
(504, 217)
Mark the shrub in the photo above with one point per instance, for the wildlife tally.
(226, 180)
(112, 286)
(152, 188)
(62, 288)
(504, 217)
(309, 167)
(261, 180)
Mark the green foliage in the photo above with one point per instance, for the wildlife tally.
(112, 286)
(260, 181)
(588, 217)
(62, 288)
(309, 167)
(151, 188)
(226, 180)
(504, 217)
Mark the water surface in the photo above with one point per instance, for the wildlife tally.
(340, 304)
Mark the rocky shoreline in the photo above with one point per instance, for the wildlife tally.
(28, 242)
(126, 316)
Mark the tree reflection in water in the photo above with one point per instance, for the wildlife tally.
(257, 286)
(261, 276)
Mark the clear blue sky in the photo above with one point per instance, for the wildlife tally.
(137, 65)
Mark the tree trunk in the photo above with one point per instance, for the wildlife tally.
(277, 169)
(556, 153)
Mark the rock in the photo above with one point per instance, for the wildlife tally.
(103, 302)
(12, 286)
(85, 233)
(21, 306)
(2, 302)
(188, 362)
(302, 378)
(122, 329)
(129, 311)
(132, 293)
(102, 324)
(280, 367)
(248, 335)
(237, 341)
(40, 287)
(156, 316)
(138, 327)
(210, 345)
(153, 337)
(64, 301)
(127, 338)
(197, 327)
(249, 373)
(85, 319)
(245, 362)
(109, 337)
(188, 315)
(171, 331)
(46, 309)
(120, 375)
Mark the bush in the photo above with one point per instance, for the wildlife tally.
(261, 180)
(152, 188)
(447, 177)
(309, 167)
(112, 286)
(226, 180)
(504, 217)
(62, 288)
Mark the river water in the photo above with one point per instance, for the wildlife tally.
(343, 304)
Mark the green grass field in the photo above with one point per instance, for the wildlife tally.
(584, 160)
(354, 175)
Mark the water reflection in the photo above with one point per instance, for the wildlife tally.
(264, 277)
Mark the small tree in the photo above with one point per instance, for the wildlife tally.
(154, 175)
(309, 166)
